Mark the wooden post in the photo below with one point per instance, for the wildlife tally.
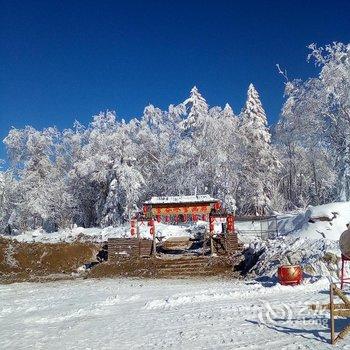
(331, 304)
(336, 310)
(211, 246)
(154, 243)
(138, 236)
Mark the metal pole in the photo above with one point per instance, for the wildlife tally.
(342, 272)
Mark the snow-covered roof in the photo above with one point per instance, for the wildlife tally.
(204, 198)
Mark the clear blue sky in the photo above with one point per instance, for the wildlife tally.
(67, 60)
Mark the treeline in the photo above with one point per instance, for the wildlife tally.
(98, 175)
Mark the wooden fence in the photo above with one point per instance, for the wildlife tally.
(128, 247)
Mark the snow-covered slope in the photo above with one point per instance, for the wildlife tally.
(324, 221)
(309, 238)
(102, 234)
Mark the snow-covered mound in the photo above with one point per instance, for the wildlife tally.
(324, 221)
(309, 238)
(318, 257)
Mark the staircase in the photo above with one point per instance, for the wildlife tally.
(192, 266)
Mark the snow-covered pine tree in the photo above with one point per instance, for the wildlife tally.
(197, 111)
(258, 159)
(227, 112)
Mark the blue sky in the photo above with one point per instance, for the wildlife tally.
(68, 60)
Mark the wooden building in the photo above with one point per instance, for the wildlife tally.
(182, 208)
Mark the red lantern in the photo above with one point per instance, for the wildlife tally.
(176, 219)
(151, 222)
(217, 206)
(185, 217)
(158, 218)
(132, 231)
(151, 231)
(194, 217)
(204, 217)
(167, 219)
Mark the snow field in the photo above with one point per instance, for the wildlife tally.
(159, 314)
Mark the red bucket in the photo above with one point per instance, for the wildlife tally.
(290, 274)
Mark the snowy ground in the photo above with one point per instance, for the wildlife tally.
(155, 314)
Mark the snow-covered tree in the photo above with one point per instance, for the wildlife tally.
(197, 111)
(258, 158)
(315, 127)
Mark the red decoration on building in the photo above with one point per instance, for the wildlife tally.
(151, 230)
(204, 217)
(217, 205)
(194, 217)
(159, 219)
(230, 223)
(167, 219)
(185, 217)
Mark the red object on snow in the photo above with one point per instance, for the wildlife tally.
(132, 231)
(290, 274)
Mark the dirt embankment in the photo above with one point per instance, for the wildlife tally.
(20, 262)
(42, 261)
